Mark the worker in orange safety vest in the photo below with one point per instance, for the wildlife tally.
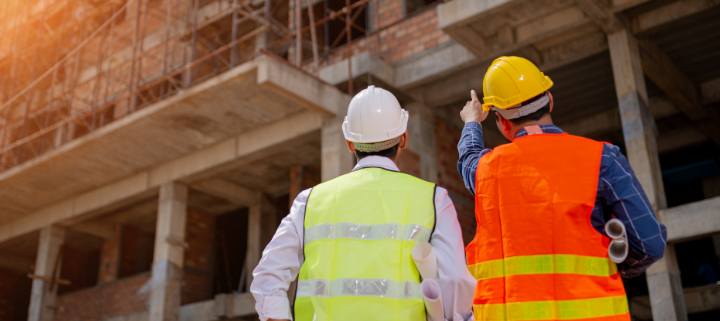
(541, 203)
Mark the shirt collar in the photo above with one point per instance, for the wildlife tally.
(546, 129)
(376, 161)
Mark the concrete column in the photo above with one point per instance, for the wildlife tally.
(262, 222)
(666, 295)
(169, 249)
(421, 140)
(47, 271)
(336, 159)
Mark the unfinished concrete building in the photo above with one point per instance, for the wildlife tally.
(149, 148)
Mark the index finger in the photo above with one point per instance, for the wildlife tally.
(474, 95)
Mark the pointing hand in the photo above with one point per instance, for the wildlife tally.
(473, 110)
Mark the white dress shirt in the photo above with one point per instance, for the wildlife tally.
(282, 258)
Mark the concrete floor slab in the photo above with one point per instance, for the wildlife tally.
(259, 92)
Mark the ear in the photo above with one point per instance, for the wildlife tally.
(506, 124)
(350, 146)
(552, 102)
(403, 140)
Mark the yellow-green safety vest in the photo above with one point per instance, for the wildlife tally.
(359, 231)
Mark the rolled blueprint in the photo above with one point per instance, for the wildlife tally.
(433, 300)
(425, 260)
(619, 247)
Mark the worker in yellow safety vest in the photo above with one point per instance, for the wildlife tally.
(348, 240)
(542, 201)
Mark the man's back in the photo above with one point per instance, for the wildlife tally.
(535, 245)
(359, 231)
(287, 252)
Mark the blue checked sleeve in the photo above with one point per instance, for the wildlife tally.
(471, 148)
(620, 194)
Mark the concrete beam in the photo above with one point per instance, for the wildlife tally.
(650, 20)
(599, 11)
(609, 121)
(679, 88)
(301, 87)
(189, 168)
(99, 229)
(47, 272)
(227, 191)
(167, 270)
(692, 220)
(457, 86)
(362, 65)
(433, 64)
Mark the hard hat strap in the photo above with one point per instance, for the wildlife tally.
(521, 110)
(376, 147)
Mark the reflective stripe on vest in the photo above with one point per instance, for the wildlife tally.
(383, 288)
(359, 231)
(553, 310)
(344, 230)
(544, 264)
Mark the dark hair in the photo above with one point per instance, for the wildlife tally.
(534, 116)
(389, 153)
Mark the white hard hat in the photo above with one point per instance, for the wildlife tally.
(375, 120)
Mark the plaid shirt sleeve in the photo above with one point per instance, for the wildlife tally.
(471, 148)
(620, 194)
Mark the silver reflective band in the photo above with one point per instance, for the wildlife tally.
(359, 287)
(518, 111)
(344, 230)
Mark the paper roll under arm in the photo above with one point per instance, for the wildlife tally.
(425, 260)
(619, 247)
(433, 300)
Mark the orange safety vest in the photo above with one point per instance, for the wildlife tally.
(535, 255)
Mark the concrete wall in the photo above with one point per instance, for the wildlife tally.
(197, 274)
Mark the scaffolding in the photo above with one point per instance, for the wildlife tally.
(70, 67)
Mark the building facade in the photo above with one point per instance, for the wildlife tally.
(149, 148)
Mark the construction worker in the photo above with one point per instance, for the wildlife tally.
(540, 250)
(348, 240)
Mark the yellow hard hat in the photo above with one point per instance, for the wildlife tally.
(512, 80)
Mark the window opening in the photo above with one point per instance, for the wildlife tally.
(416, 5)
(230, 251)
